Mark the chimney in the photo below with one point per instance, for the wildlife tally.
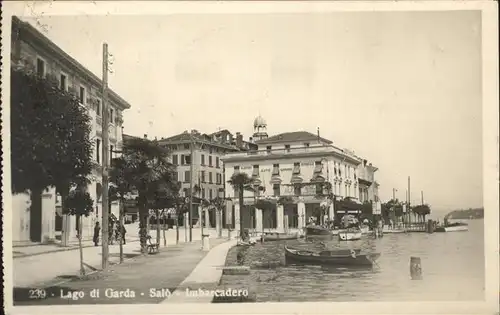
(145, 136)
(318, 135)
(239, 140)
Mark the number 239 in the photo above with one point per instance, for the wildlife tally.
(37, 294)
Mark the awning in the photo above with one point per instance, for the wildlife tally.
(296, 179)
(275, 180)
(318, 179)
(257, 182)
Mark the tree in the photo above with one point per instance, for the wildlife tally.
(50, 136)
(240, 182)
(268, 207)
(218, 205)
(422, 211)
(144, 167)
(79, 203)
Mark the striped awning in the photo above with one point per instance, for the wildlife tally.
(275, 180)
(318, 179)
(296, 179)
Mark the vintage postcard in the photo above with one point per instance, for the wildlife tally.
(250, 157)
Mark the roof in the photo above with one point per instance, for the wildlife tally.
(185, 137)
(295, 136)
(56, 52)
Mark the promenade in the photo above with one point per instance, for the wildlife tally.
(60, 269)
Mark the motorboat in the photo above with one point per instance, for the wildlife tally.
(351, 234)
(453, 227)
(312, 230)
(340, 258)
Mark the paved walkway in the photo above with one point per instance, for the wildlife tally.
(141, 279)
(57, 266)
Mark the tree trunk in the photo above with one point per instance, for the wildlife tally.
(143, 232)
(121, 219)
(240, 193)
(65, 229)
(82, 268)
(177, 227)
(164, 229)
(158, 230)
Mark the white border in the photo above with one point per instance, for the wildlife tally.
(490, 148)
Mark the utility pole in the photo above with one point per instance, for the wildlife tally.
(105, 158)
(409, 202)
(394, 194)
(191, 168)
(422, 196)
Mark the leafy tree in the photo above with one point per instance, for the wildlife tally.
(79, 203)
(240, 182)
(50, 136)
(422, 211)
(144, 167)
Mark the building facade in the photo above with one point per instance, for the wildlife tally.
(293, 164)
(208, 169)
(32, 50)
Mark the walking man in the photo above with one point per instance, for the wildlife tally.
(97, 230)
(123, 231)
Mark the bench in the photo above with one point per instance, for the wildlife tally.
(152, 247)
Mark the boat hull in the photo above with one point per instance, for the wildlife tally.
(352, 259)
(457, 228)
(349, 236)
(316, 230)
(269, 237)
(393, 231)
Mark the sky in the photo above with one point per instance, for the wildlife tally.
(401, 89)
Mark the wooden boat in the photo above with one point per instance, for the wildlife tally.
(270, 236)
(350, 234)
(341, 258)
(387, 230)
(317, 230)
(453, 227)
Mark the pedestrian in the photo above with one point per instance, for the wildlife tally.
(123, 231)
(97, 230)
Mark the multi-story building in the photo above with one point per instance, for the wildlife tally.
(208, 170)
(291, 164)
(34, 51)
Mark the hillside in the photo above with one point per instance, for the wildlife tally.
(477, 213)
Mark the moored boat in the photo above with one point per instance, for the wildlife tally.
(270, 236)
(387, 230)
(341, 258)
(350, 234)
(453, 227)
(317, 230)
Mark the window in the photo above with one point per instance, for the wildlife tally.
(202, 176)
(176, 176)
(276, 169)
(217, 162)
(297, 190)
(63, 82)
(203, 159)
(187, 176)
(111, 112)
(318, 167)
(210, 177)
(203, 193)
(319, 189)
(110, 154)
(276, 190)
(255, 172)
(269, 148)
(306, 144)
(40, 67)
(211, 194)
(98, 150)
(236, 168)
(210, 160)
(287, 147)
(186, 146)
(296, 168)
(82, 95)
(182, 159)
(175, 160)
(219, 179)
(98, 107)
(187, 159)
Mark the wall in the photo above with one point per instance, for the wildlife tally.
(286, 170)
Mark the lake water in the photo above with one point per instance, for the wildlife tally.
(452, 267)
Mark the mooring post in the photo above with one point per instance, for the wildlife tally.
(415, 268)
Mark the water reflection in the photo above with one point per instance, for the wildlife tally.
(453, 269)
